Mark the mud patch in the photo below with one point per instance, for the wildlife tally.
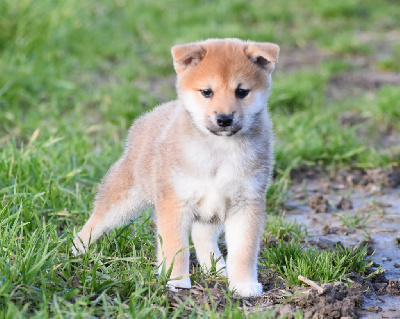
(367, 210)
(318, 204)
(189, 299)
(344, 203)
(366, 79)
(336, 301)
(363, 179)
(367, 179)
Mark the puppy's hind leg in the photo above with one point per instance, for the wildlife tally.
(116, 202)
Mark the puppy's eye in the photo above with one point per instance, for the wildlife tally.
(241, 93)
(208, 93)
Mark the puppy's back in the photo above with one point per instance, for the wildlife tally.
(151, 144)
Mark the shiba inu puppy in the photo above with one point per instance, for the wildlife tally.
(203, 162)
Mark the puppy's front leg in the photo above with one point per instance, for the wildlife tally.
(243, 229)
(173, 229)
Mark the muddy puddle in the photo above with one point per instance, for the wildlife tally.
(341, 212)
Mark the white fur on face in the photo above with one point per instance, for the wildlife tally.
(196, 110)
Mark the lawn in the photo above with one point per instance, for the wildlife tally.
(75, 74)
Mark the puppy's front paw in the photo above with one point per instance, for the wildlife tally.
(177, 285)
(246, 289)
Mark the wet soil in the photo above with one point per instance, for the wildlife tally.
(358, 206)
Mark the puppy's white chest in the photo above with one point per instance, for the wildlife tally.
(212, 183)
(208, 194)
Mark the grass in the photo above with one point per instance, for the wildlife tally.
(282, 229)
(69, 90)
(292, 259)
(355, 221)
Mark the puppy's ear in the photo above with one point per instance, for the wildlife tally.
(187, 55)
(265, 55)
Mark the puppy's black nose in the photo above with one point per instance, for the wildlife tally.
(224, 120)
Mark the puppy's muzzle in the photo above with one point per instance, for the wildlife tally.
(224, 125)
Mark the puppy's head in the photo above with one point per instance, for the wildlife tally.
(224, 84)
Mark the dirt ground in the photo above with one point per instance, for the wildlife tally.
(347, 208)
